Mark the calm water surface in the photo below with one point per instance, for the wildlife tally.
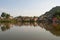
(28, 31)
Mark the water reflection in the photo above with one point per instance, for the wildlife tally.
(53, 28)
(5, 26)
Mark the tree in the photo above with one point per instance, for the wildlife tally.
(57, 14)
(5, 15)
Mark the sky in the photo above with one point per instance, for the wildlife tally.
(27, 7)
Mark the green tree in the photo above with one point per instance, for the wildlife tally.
(5, 15)
(57, 14)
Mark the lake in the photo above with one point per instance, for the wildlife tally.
(29, 31)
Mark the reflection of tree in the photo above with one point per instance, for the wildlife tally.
(55, 30)
(5, 27)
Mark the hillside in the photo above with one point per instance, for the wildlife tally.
(53, 14)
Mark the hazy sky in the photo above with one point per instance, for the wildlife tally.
(27, 7)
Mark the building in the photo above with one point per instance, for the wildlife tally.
(11, 17)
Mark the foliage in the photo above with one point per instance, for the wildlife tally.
(5, 15)
(57, 14)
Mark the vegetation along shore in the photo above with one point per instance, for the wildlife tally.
(52, 16)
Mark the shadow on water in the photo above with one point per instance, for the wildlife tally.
(53, 28)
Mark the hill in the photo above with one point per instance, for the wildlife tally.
(54, 13)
